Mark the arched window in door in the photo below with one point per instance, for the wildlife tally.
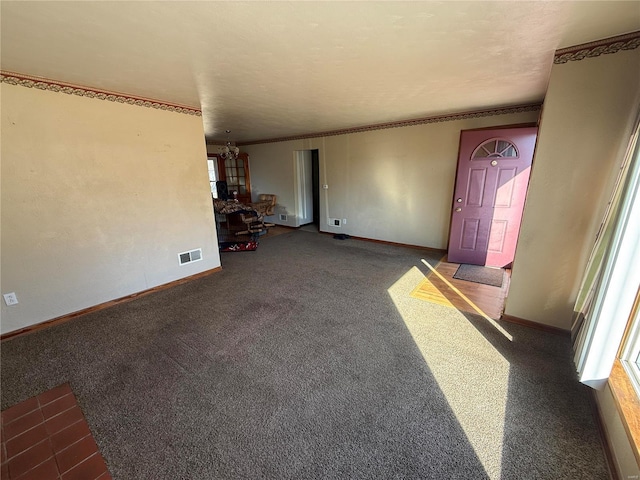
(495, 148)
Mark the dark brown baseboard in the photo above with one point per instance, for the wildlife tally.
(393, 244)
(536, 325)
(102, 306)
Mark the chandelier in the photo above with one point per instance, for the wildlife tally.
(229, 151)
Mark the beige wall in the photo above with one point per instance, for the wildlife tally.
(394, 185)
(586, 122)
(98, 198)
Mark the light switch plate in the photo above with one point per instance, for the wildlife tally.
(10, 299)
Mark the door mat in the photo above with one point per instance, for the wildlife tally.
(245, 246)
(480, 274)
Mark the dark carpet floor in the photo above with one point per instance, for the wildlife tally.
(308, 359)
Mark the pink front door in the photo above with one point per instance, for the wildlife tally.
(491, 186)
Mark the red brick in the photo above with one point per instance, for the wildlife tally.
(22, 424)
(63, 420)
(105, 476)
(45, 471)
(76, 453)
(30, 458)
(55, 393)
(18, 410)
(4, 471)
(69, 435)
(91, 468)
(58, 406)
(26, 440)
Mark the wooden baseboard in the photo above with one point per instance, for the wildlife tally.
(102, 306)
(385, 242)
(536, 325)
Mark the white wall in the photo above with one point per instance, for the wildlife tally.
(98, 198)
(394, 185)
(586, 123)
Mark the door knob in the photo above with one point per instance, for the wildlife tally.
(459, 200)
(458, 209)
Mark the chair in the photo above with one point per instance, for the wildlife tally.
(254, 220)
(266, 205)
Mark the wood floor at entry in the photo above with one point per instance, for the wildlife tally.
(439, 290)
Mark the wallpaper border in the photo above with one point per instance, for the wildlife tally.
(12, 78)
(628, 41)
(406, 123)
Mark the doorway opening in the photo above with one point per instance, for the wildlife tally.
(308, 190)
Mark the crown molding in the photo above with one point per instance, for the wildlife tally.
(629, 41)
(28, 81)
(405, 123)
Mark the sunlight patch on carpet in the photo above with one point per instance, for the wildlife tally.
(471, 373)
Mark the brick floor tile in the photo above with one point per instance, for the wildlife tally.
(30, 458)
(22, 424)
(91, 468)
(18, 410)
(58, 406)
(69, 435)
(63, 420)
(22, 442)
(46, 435)
(45, 471)
(76, 453)
(53, 394)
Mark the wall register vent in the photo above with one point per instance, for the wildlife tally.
(283, 217)
(190, 257)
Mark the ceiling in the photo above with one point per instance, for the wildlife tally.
(275, 69)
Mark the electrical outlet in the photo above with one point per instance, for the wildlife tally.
(344, 221)
(10, 299)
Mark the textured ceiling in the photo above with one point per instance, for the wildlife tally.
(275, 69)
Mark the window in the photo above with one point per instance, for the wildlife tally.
(629, 259)
(212, 165)
(495, 148)
(612, 278)
(630, 355)
(236, 175)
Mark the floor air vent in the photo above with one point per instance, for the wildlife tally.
(191, 256)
